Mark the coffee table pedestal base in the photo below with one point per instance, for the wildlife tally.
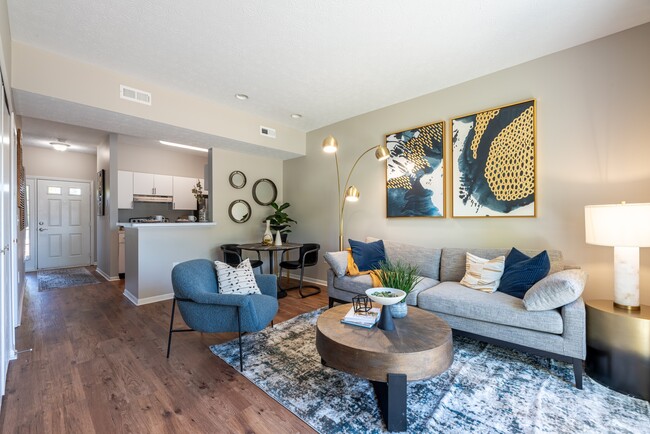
(391, 397)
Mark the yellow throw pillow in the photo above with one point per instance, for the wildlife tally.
(483, 274)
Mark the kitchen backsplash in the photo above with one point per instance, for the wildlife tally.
(145, 209)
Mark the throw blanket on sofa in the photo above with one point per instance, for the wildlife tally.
(353, 270)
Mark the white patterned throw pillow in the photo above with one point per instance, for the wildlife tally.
(483, 274)
(240, 280)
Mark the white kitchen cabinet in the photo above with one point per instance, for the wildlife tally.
(151, 184)
(183, 196)
(124, 189)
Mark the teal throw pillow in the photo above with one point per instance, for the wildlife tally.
(522, 272)
(367, 256)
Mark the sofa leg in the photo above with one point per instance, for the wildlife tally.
(577, 372)
(331, 303)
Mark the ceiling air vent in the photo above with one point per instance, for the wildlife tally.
(135, 95)
(268, 132)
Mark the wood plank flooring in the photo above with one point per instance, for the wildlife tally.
(98, 366)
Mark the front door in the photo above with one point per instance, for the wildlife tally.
(63, 224)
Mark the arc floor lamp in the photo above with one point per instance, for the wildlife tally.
(351, 193)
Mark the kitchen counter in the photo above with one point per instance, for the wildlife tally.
(168, 225)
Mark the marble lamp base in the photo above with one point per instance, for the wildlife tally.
(626, 278)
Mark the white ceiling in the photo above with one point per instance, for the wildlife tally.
(327, 60)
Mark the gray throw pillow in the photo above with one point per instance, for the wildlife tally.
(338, 262)
(556, 290)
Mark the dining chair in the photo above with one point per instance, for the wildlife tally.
(196, 291)
(232, 256)
(308, 257)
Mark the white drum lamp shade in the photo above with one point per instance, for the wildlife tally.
(626, 227)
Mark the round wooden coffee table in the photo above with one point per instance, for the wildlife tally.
(420, 347)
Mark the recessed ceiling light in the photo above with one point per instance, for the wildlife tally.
(241, 96)
(60, 146)
(178, 145)
(296, 116)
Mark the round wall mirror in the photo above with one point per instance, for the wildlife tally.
(239, 211)
(264, 191)
(237, 179)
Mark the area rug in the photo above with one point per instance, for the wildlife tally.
(487, 389)
(64, 277)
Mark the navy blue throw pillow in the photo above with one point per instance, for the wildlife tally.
(367, 256)
(521, 272)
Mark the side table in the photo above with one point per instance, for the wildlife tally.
(618, 347)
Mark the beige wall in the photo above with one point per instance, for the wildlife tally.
(162, 160)
(5, 44)
(54, 164)
(593, 106)
(222, 195)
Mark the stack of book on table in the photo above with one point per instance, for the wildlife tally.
(362, 319)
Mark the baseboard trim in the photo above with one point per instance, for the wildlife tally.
(308, 279)
(106, 276)
(147, 300)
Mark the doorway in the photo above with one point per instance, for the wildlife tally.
(62, 225)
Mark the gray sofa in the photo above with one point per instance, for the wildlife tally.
(495, 318)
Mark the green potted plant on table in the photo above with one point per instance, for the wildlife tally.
(280, 220)
(399, 275)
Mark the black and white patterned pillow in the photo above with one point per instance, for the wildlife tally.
(240, 280)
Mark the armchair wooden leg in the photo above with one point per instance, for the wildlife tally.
(241, 360)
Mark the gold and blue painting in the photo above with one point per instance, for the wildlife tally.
(415, 175)
(493, 155)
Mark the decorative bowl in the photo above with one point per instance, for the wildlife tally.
(389, 296)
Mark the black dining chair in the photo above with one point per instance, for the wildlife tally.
(308, 257)
(232, 256)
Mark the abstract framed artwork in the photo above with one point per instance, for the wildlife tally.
(494, 162)
(100, 193)
(415, 172)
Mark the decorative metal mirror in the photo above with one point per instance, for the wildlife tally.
(237, 179)
(239, 211)
(264, 191)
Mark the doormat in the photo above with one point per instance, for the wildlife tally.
(488, 389)
(65, 277)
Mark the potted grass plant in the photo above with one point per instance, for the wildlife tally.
(399, 275)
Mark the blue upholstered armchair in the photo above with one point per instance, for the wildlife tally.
(205, 310)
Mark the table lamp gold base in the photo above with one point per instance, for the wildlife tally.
(626, 307)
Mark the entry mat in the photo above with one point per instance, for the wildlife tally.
(65, 277)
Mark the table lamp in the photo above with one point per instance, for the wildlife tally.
(626, 227)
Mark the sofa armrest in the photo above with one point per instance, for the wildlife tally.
(574, 322)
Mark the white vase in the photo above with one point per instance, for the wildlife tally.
(267, 238)
(399, 310)
(278, 238)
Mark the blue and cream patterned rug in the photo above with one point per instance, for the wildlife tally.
(487, 389)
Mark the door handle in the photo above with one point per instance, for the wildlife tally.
(42, 229)
(5, 249)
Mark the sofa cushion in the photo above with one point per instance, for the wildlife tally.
(452, 261)
(427, 259)
(556, 290)
(359, 284)
(522, 272)
(454, 299)
(338, 262)
(367, 256)
(483, 274)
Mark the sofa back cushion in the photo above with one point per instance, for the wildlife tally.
(452, 262)
(427, 259)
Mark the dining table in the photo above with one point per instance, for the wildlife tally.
(272, 249)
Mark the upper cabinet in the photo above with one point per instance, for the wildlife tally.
(125, 189)
(151, 184)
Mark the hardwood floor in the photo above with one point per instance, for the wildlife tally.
(98, 366)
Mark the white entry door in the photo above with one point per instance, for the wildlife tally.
(63, 224)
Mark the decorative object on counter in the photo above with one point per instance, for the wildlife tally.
(415, 172)
(267, 238)
(191, 218)
(239, 211)
(625, 227)
(386, 297)
(280, 220)
(351, 193)
(494, 157)
(100, 193)
(264, 192)
(197, 190)
(278, 238)
(237, 179)
(361, 304)
(399, 275)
